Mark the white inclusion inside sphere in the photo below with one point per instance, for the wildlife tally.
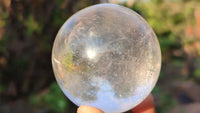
(106, 56)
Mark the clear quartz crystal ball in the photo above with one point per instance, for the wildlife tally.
(106, 56)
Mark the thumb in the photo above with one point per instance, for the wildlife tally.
(147, 106)
(88, 109)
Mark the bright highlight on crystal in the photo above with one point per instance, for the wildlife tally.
(106, 56)
(90, 53)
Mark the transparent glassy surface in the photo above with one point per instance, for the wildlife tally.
(106, 56)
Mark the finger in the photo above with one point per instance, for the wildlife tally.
(147, 106)
(88, 109)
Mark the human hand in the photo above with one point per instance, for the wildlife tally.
(147, 106)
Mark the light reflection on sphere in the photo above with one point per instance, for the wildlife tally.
(106, 56)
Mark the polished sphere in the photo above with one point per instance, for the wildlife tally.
(106, 56)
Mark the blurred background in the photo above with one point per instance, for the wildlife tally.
(28, 29)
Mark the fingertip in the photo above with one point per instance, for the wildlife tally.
(88, 109)
(147, 106)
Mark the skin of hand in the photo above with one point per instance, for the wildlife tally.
(147, 106)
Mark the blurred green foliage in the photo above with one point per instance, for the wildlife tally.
(32, 26)
(197, 71)
(1, 89)
(165, 102)
(53, 98)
